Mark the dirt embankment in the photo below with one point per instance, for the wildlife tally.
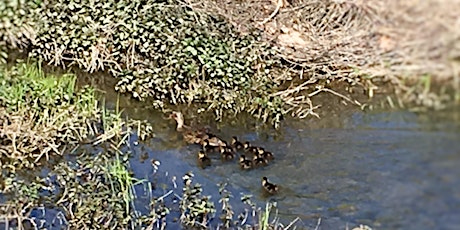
(408, 44)
(394, 37)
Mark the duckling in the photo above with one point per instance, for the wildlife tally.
(203, 159)
(227, 153)
(268, 156)
(269, 187)
(155, 163)
(249, 148)
(245, 163)
(237, 145)
(207, 147)
(259, 161)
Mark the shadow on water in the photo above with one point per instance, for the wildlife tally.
(385, 169)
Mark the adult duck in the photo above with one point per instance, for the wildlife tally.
(197, 136)
(207, 147)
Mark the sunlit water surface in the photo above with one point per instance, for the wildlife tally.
(389, 170)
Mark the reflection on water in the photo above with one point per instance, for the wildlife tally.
(390, 170)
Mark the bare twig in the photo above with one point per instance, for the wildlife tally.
(278, 6)
(336, 94)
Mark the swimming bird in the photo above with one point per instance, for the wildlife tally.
(269, 187)
(207, 147)
(249, 148)
(227, 153)
(245, 163)
(237, 145)
(259, 161)
(197, 136)
(203, 159)
(265, 154)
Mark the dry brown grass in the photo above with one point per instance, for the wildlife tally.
(364, 43)
(28, 138)
(426, 36)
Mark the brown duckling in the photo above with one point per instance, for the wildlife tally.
(194, 136)
(265, 154)
(249, 148)
(207, 147)
(245, 163)
(227, 153)
(203, 159)
(259, 161)
(269, 187)
(237, 145)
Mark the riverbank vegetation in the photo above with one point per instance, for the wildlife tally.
(64, 155)
(270, 65)
(43, 120)
(65, 162)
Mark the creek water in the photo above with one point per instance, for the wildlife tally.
(389, 170)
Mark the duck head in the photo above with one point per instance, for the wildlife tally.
(247, 145)
(242, 158)
(264, 181)
(179, 118)
(201, 154)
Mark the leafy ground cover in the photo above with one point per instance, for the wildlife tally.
(270, 59)
(64, 162)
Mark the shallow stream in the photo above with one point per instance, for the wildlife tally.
(389, 170)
